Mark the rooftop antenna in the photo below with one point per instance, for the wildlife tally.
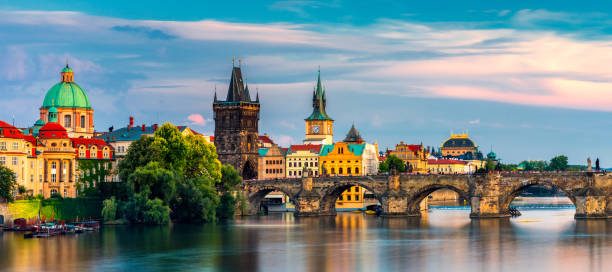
(13, 120)
(66, 61)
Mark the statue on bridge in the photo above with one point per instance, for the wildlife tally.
(589, 164)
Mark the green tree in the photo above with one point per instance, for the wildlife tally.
(227, 206)
(396, 163)
(139, 154)
(170, 147)
(194, 202)
(558, 163)
(201, 159)
(109, 209)
(383, 167)
(490, 165)
(142, 210)
(159, 181)
(8, 182)
(229, 178)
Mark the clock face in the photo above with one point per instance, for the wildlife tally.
(315, 129)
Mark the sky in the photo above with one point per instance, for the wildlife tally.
(528, 80)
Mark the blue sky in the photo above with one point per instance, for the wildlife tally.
(530, 79)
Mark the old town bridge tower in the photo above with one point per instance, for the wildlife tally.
(236, 127)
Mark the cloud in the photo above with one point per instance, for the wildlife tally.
(198, 119)
(287, 124)
(532, 18)
(299, 7)
(474, 122)
(13, 63)
(284, 140)
(154, 34)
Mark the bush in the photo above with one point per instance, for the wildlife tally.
(227, 206)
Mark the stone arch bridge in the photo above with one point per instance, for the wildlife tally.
(400, 195)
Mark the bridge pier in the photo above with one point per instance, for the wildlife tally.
(590, 204)
(487, 207)
(396, 205)
(307, 205)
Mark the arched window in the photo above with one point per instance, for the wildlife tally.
(340, 170)
(67, 120)
(348, 170)
(356, 170)
(82, 121)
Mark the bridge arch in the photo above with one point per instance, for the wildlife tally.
(257, 194)
(415, 199)
(331, 194)
(514, 191)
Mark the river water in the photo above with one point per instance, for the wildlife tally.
(545, 238)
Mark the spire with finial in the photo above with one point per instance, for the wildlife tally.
(318, 101)
(257, 96)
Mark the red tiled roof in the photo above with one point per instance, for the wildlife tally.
(265, 139)
(312, 148)
(212, 138)
(414, 147)
(89, 142)
(445, 161)
(284, 149)
(5, 125)
(52, 130)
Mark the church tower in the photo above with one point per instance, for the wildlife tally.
(236, 127)
(319, 126)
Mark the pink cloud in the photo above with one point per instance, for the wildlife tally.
(198, 119)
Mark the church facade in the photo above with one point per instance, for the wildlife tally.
(237, 127)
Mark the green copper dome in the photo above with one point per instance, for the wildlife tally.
(67, 69)
(66, 95)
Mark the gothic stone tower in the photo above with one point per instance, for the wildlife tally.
(236, 127)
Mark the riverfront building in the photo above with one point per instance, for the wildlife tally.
(46, 157)
(415, 156)
(271, 162)
(302, 157)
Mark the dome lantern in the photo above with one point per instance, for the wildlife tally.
(67, 74)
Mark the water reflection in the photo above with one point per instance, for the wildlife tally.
(540, 240)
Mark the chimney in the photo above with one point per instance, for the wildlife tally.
(143, 127)
(131, 121)
(154, 127)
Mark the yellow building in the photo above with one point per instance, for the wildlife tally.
(458, 145)
(414, 155)
(18, 153)
(73, 108)
(448, 166)
(299, 157)
(319, 126)
(344, 159)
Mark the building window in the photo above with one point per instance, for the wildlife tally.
(31, 178)
(53, 172)
(15, 161)
(356, 189)
(356, 170)
(340, 170)
(39, 178)
(348, 197)
(82, 121)
(92, 153)
(2, 160)
(340, 197)
(348, 170)
(82, 153)
(2, 145)
(15, 146)
(105, 154)
(53, 192)
(68, 121)
(356, 197)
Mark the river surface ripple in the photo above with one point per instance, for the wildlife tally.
(544, 238)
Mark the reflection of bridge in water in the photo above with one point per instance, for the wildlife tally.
(490, 195)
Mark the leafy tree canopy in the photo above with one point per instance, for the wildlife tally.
(7, 183)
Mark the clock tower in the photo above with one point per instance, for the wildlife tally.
(319, 126)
